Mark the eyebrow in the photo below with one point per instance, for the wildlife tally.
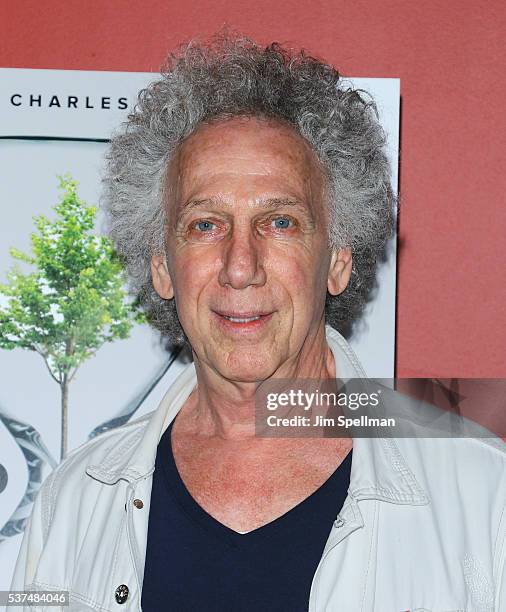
(264, 203)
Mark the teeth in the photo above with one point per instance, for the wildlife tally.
(237, 320)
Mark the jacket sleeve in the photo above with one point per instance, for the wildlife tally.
(500, 555)
(500, 594)
(31, 546)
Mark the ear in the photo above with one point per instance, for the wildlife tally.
(339, 271)
(162, 281)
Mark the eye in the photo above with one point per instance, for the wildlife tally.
(204, 226)
(204, 229)
(281, 222)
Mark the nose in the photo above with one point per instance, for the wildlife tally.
(242, 265)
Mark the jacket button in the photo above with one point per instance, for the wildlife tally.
(138, 503)
(339, 522)
(121, 593)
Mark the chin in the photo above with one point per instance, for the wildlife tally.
(245, 366)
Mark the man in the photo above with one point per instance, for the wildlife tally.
(250, 198)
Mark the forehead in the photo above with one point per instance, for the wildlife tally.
(246, 156)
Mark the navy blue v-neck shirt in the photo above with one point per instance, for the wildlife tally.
(194, 563)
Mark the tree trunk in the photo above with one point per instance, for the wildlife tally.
(64, 416)
(64, 386)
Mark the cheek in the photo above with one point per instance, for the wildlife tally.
(300, 274)
(193, 273)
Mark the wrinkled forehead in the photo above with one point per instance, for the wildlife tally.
(245, 158)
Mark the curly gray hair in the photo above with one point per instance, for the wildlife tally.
(232, 76)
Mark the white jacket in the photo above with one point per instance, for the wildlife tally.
(423, 526)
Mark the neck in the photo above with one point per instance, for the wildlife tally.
(226, 408)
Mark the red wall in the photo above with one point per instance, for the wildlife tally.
(448, 55)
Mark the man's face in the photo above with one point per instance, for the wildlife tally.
(247, 254)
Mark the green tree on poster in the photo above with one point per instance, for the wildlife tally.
(72, 301)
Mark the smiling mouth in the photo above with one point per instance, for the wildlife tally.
(243, 318)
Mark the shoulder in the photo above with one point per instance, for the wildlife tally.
(459, 464)
(99, 450)
(465, 482)
(477, 463)
(446, 447)
(74, 479)
(444, 442)
(67, 502)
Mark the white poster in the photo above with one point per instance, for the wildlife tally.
(55, 122)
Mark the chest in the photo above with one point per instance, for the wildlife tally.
(244, 487)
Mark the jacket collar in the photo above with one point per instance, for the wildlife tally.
(379, 471)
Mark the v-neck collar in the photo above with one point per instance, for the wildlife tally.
(333, 491)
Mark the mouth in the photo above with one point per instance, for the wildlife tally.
(242, 321)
